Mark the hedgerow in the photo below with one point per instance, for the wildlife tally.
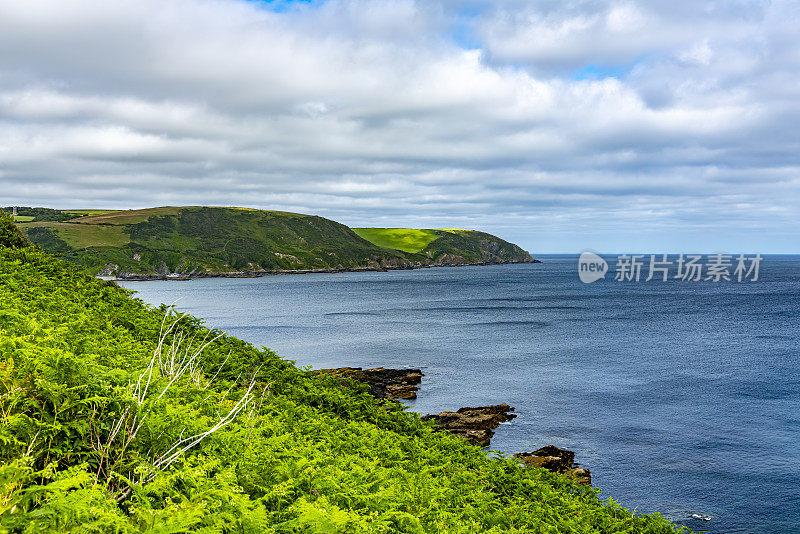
(85, 447)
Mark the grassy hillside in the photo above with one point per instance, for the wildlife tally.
(81, 236)
(116, 417)
(205, 240)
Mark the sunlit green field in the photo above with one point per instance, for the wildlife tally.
(405, 239)
(23, 218)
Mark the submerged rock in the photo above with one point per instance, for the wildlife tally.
(383, 383)
(475, 424)
(557, 460)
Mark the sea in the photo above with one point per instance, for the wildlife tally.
(682, 397)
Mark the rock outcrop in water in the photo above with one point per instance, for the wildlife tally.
(557, 460)
(475, 424)
(383, 383)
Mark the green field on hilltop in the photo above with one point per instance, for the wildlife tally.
(120, 417)
(405, 239)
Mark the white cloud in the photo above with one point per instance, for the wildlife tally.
(571, 125)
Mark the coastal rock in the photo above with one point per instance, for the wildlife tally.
(383, 383)
(110, 269)
(476, 425)
(451, 259)
(162, 268)
(557, 460)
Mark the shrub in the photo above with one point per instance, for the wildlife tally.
(10, 235)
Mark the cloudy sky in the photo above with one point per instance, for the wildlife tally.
(560, 125)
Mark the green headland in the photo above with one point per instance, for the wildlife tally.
(203, 241)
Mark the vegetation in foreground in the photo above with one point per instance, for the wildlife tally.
(205, 240)
(116, 417)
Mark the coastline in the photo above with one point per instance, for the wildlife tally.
(475, 424)
(182, 277)
(329, 448)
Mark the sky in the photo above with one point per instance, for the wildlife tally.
(561, 125)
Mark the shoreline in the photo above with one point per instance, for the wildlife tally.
(476, 425)
(183, 277)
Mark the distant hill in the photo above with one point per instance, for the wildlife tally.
(199, 241)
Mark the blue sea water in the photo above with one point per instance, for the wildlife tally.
(681, 397)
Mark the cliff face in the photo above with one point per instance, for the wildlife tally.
(469, 246)
(205, 241)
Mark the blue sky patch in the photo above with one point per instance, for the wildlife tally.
(464, 33)
(601, 72)
(280, 6)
